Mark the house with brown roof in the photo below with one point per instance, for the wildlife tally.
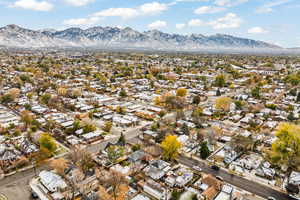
(213, 187)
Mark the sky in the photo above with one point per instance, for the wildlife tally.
(274, 21)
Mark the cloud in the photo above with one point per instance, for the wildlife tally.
(179, 1)
(230, 20)
(33, 5)
(78, 3)
(269, 7)
(126, 13)
(208, 10)
(229, 3)
(257, 30)
(157, 24)
(152, 8)
(175, 2)
(82, 21)
(222, 2)
(180, 26)
(146, 9)
(196, 22)
(264, 10)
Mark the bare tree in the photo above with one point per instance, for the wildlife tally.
(115, 180)
(82, 159)
(59, 165)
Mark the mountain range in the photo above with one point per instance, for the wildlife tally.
(122, 38)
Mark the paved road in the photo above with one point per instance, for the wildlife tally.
(250, 186)
(16, 187)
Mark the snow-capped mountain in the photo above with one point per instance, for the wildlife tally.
(113, 37)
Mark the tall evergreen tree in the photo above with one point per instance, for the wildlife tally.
(298, 97)
(196, 100)
(185, 129)
(218, 93)
(122, 140)
(204, 151)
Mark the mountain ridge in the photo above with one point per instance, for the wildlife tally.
(114, 37)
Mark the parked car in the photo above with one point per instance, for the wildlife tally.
(219, 178)
(271, 198)
(34, 195)
(197, 168)
(215, 167)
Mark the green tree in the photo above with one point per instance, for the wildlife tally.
(185, 129)
(255, 92)
(123, 93)
(122, 139)
(218, 93)
(27, 106)
(290, 116)
(47, 142)
(298, 97)
(89, 128)
(204, 151)
(107, 126)
(114, 152)
(136, 147)
(194, 197)
(271, 106)
(293, 92)
(196, 100)
(76, 125)
(46, 98)
(175, 195)
(220, 81)
(7, 98)
(293, 79)
(239, 104)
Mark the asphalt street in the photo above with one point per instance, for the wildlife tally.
(250, 186)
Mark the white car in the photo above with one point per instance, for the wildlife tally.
(219, 178)
(197, 168)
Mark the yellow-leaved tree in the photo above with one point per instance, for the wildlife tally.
(62, 91)
(170, 146)
(223, 103)
(286, 149)
(181, 92)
